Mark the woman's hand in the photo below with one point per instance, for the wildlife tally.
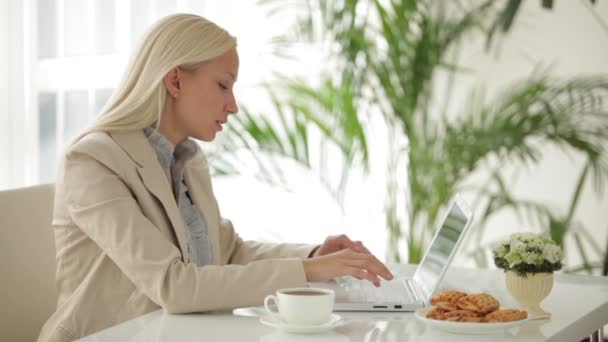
(361, 265)
(337, 243)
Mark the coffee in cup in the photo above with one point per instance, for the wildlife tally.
(303, 305)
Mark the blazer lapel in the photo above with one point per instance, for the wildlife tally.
(139, 149)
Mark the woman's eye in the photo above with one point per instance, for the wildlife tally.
(222, 86)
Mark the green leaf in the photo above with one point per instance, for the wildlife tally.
(557, 229)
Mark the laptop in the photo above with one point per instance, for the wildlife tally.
(401, 293)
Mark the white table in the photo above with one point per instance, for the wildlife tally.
(579, 305)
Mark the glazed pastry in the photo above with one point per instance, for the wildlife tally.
(466, 313)
(436, 313)
(482, 303)
(506, 315)
(447, 299)
(463, 316)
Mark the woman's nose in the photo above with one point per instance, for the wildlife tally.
(232, 107)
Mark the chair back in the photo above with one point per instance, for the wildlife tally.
(27, 252)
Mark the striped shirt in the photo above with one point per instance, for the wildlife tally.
(173, 161)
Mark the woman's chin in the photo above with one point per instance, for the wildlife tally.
(206, 136)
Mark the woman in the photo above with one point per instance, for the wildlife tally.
(136, 224)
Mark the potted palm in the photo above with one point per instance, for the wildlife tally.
(384, 60)
(529, 261)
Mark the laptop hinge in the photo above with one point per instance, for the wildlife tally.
(414, 290)
(420, 291)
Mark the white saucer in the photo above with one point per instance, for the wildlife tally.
(275, 322)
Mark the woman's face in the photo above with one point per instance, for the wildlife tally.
(199, 102)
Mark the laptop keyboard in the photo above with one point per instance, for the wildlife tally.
(395, 291)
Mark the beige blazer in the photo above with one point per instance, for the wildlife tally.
(121, 244)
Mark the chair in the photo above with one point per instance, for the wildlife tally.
(27, 252)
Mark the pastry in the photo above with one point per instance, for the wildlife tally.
(463, 316)
(466, 313)
(436, 313)
(447, 299)
(506, 315)
(482, 303)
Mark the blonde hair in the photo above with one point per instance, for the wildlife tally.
(184, 40)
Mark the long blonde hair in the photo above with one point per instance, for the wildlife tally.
(184, 40)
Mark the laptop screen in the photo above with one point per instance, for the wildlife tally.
(442, 249)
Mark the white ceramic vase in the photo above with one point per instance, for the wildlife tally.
(530, 291)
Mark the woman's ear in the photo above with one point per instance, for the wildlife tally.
(171, 82)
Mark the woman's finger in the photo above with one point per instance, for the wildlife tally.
(344, 241)
(359, 247)
(365, 266)
(371, 264)
(362, 274)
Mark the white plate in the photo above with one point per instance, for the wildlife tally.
(272, 321)
(464, 327)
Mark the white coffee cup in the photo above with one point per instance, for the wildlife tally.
(302, 305)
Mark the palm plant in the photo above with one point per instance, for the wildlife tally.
(385, 60)
(505, 17)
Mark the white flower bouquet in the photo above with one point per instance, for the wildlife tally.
(526, 253)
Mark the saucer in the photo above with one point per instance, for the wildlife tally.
(275, 322)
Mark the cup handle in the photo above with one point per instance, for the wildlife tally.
(267, 305)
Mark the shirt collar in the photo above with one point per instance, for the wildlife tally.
(166, 152)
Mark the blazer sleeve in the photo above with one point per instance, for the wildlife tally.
(236, 251)
(101, 204)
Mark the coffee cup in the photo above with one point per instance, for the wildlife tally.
(302, 305)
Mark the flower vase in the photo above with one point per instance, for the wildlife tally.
(530, 290)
